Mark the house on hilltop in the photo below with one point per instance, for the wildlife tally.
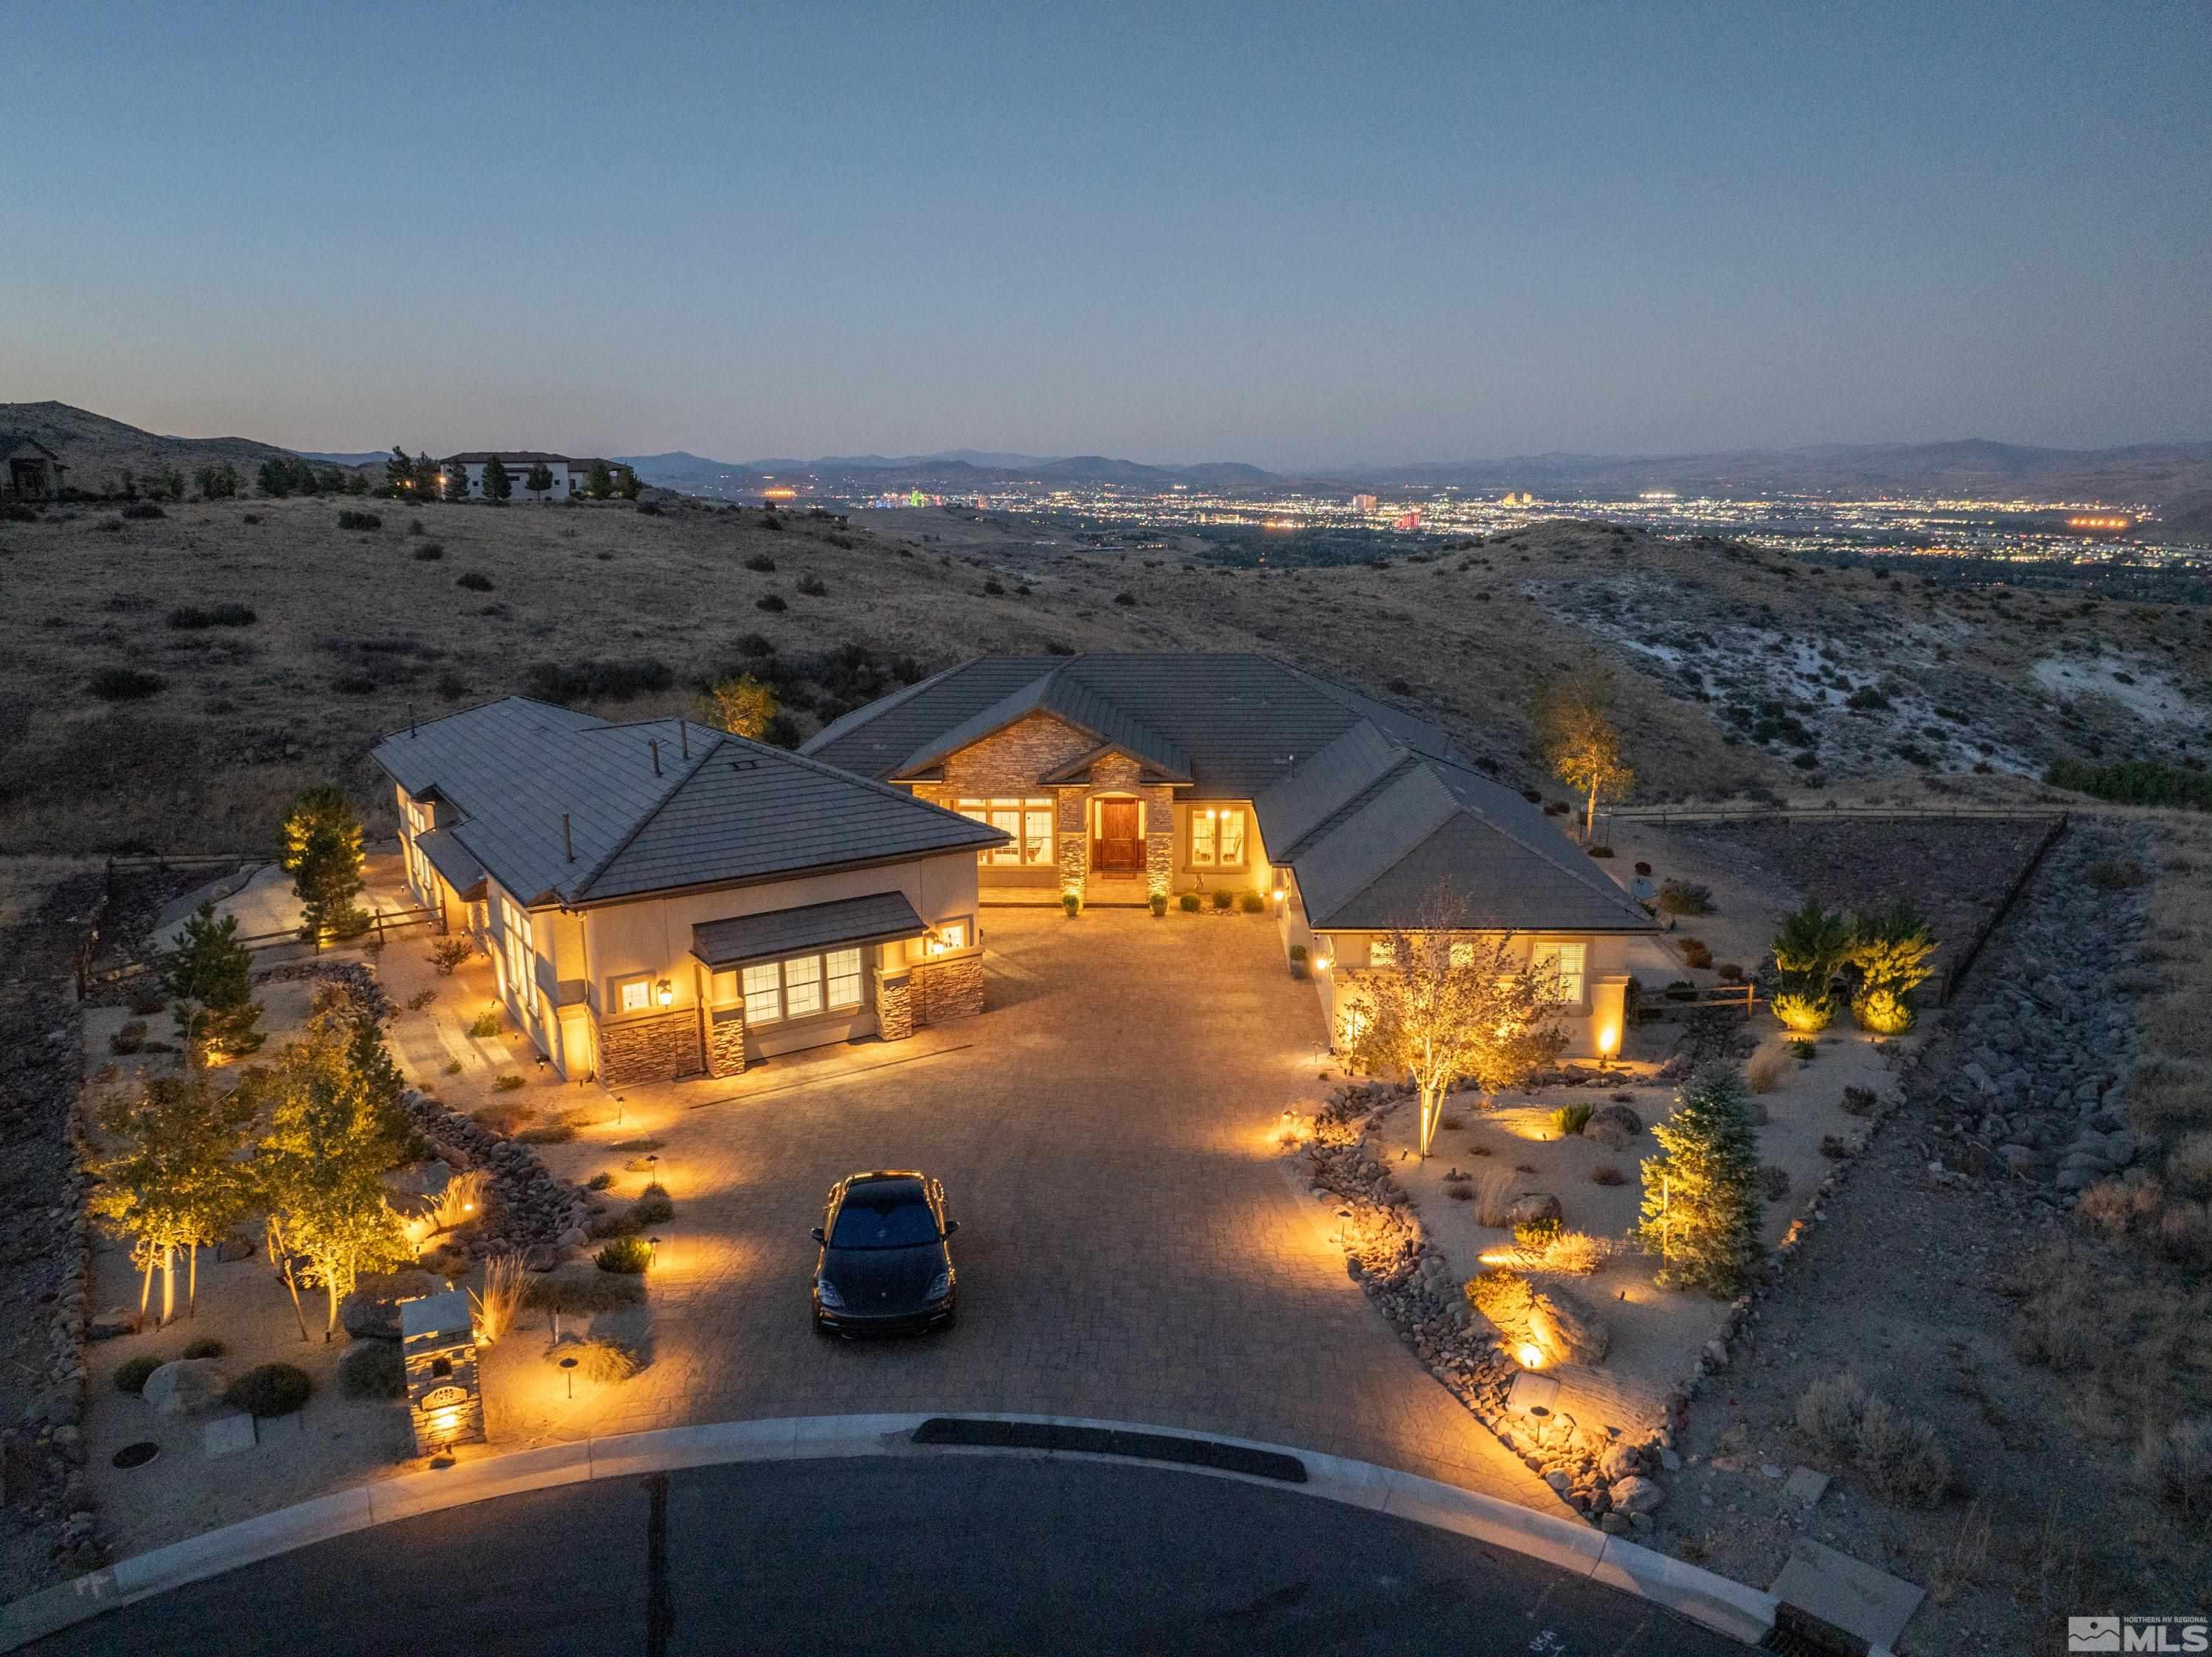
(569, 470)
(30, 471)
(661, 899)
(1118, 778)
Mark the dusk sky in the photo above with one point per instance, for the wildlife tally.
(1297, 236)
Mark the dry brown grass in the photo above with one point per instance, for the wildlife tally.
(1768, 1068)
(354, 633)
(500, 1301)
(460, 1203)
(1494, 1189)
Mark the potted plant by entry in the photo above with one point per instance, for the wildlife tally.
(1159, 902)
(1298, 960)
(1072, 902)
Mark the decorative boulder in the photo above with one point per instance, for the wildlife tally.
(1616, 1116)
(234, 1248)
(1620, 1460)
(1567, 1330)
(189, 1387)
(1533, 1208)
(371, 1313)
(1637, 1495)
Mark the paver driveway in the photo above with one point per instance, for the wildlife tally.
(1130, 1247)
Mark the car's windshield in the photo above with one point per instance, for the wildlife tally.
(896, 1218)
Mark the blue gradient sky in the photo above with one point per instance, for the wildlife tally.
(1296, 235)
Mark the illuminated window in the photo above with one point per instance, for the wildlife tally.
(763, 994)
(633, 994)
(514, 930)
(844, 977)
(952, 934)
(1028, 821)
(802, 987)
(1568, 958)
(1381, 952)
(1217, 836)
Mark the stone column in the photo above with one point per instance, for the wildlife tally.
(894, 1004)
(726, 1041)
(948, 989)
(1074, 862)
(1159, 843)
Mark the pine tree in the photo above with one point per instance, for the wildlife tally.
(1701, 1198)
(456, 481)
(209, 981)
(321, 851)
(1808, 952)
(598, 482)
(498, 485)
(398, 473)
(540, 479)
(1890, 953)
(626, 484)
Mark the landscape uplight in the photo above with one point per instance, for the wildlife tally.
(1531, 1354)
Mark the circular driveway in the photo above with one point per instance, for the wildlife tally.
(951, 1553)
(1131, 1245)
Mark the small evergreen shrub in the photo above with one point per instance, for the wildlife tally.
(1695, 953)
(475, 581)
(762, 562)
(486, 1024)
(1223, 900)
(125, 685)
(654, 1207)
(132, 1377)
(1253, 904)
(626, 1257)
(1188, 903)
(193, 617)
(206, 1346)
(773, 603)
(1686, 898)
(372, 1369)
(361, 521)
(810, 585)
(447, 953)
(600, 1181)
(1606, 1174)
(1570, 1119)
(273, 1389)
(429, 552)
(510, 1083)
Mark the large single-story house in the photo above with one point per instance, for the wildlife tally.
(661, 899)
(569, 470)
(1117, 778)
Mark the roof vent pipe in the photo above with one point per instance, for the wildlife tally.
(567, 844)
(684, 735)
(653, 743)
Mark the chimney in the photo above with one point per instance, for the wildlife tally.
(653, 743)
(567, 845)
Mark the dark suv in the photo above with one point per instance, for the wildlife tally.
(885, 1269)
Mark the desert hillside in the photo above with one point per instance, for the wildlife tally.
(139, 712)
(98, 451)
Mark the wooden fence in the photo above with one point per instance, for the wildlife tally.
(1684, 817)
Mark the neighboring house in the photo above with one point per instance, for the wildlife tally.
(568, 472)
(1117, 778)
(661, 899)
(30, 471)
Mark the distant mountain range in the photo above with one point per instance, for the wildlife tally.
(2174, 477)
(2156, 473)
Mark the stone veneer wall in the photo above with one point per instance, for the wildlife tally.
(948, 989)
(662, 1048)
(726, 1041)
(895, 1005)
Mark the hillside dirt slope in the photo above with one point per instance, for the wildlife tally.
(98, 450)
(1734, 670)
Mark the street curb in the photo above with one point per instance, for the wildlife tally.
(1727, 1607)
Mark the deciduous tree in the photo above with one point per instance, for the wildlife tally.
(1453, 1004)
(742, 705)
(1701, 1197)
(598, 482)
(172, 1177)
(329, 1139)
(540, 479)
(1579, 741)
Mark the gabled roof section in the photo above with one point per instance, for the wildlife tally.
(1322, 786)
(879, 918)
(876, 739)
(1427, 827)
(1073, 703)
(1234, 723)
(708, 809)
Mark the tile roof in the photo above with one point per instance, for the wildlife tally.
(728, 810)
(1368, 803)
(1236, 723)
(452, 860)
(877, 918)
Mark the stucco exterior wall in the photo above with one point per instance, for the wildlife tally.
(1588, 1023)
